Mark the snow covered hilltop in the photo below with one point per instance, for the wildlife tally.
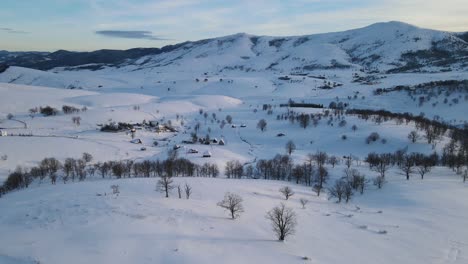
(191, 153)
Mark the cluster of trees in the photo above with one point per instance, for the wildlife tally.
(79, 169)
(311, 173)
(408, 163)
(283, 219)
(51, 111)
(67, 109)
(432, 128)
(234, 169)
(305, 119)
(48, 111)
(448, 86)
(423, 93)
(352, 181)
(48, 167)
(157, 168)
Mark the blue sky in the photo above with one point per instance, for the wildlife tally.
(119, 24)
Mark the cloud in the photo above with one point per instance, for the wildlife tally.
(129, 34)
(13, 31)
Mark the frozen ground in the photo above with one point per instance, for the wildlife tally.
(406, 222)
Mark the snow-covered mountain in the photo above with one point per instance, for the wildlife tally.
(386, 47)
(392, 46)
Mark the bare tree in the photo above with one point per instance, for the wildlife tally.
(322, 179)
(286, 191)
(233, 203)
(165, 185)
(349, 161)
(304, 202)
(87, 157)
(337, 190)
(188, 191)
(290, 147)
(383, 164)
(76, 120)
(304, 120)
(348, 192)
(229, 119)
(379, 181)
(283, 221)
(320, 158)
(424, 164)
(407, 165)
(115, 189)
(179, 191)
(413, 136)
(333, 160)
(262, 124)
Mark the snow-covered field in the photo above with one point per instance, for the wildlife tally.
(407, 222)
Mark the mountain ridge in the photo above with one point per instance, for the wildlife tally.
(386, 46)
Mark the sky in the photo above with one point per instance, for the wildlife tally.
(81, 25)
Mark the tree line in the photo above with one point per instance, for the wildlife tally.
(79, 169)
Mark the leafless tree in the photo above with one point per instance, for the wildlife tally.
(290, 147)
(115, 189)
(349, 161)
(229, 119)
(283, 221)
(262, 124)
(165, 185)
(383, 164)
(413, 136)
(407, 165)
(233, 203)
(379, 181)
(87, 157)
(333, 160)
(304, 202)
(188, 191)
(348, 192)
(320, 158)
(286, 191)
(76, 120)
(337, 190)
(322, 174)
(179, 191)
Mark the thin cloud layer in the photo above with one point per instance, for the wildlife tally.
(129, 34)
(13, 31)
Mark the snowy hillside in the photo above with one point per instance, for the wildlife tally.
(407, 223)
